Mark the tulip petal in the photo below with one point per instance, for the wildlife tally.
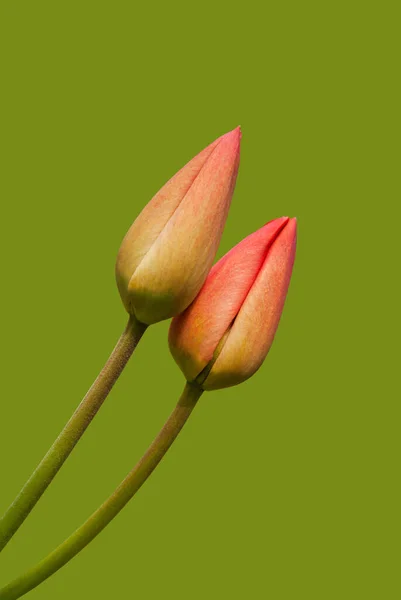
(254, 328)
(195, 334)
(188, 243)
(154, 217)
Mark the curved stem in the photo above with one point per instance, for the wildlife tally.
(115, 503)
(72, 432)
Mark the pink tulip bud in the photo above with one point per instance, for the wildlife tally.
(166, 255)
(225, 334)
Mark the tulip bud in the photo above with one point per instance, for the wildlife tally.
(222, 338)
(166, 255)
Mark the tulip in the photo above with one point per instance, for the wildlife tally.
(225, 334)
(167, 253)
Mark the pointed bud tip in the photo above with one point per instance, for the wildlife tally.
(235, 134)
(288, 220)
(289, 224)
(289, 230)
(229, 143)
(279, 222)
(280, 225)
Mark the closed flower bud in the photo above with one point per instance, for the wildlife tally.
(166, 255)
(225, 334)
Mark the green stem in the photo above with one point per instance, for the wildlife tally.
(72, 432)
(100, 518)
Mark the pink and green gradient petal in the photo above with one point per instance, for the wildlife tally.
(195, 334)
(255, 326)
(238, 307)
(167, 253)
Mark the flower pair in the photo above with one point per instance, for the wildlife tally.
(224, 320)
(223, 325)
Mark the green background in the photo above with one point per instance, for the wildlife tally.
(285, 487)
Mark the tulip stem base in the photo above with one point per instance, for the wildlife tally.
(72, 432)
(115, 503)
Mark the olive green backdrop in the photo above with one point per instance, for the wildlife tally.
(286, 486)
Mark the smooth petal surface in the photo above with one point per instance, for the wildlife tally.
(254, 328)
(153, 218)
(195, 334)
(175, 267)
